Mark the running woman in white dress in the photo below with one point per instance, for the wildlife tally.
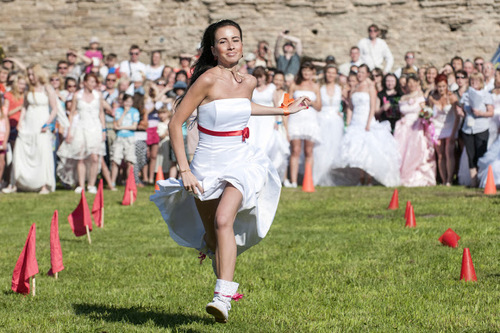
(304, 127)
(228, 196)
(84, 143)
(331, 123)
(367, 144)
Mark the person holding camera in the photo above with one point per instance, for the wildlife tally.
(289, 61)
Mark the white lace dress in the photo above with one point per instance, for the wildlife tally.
(331, 124)
(86, 131)
(219, 160)
(304, 125)
(33, 159)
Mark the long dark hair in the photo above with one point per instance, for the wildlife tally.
(207, 60)
(300, 78)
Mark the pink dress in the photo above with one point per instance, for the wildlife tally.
(418, 167)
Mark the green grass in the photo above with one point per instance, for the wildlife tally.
(334, 261)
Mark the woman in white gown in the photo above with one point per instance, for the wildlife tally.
(304, 127)
(84, 144)
(367, 144)
(331, 123)
(261, 128)
(33, 160)
(228, 196)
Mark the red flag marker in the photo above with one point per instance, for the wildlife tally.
(56, 261)
(449, 238)
(468, 273)
(394, 204)
(98, 206)
(80, 220)
(26, 265)
(130, 194)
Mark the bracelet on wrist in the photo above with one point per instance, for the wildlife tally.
(182, 171)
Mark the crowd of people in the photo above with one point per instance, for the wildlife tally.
(367, 122)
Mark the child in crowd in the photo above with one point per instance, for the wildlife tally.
(163, 159)
(125, 124)
(4, 137)
(95, 54)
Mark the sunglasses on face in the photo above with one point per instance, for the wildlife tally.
(59, 68)
(460, 77)
(71, 86)
(478, 63)
(372, 30)
(110, 80)
(409, 57)
(54, 79)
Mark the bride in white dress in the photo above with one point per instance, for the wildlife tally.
(84, 144)
(304, 127)
(261, 128)
(331, 123)
(33, 160)
(228, 196)
(367, 144)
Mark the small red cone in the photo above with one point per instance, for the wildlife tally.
(130, 195)
(407, 210)
(159, 176)
(468, 273)
(490, 187)
(394, 204)
(449, 238)
(307, 184)
(410, 220)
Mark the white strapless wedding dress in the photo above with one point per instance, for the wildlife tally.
(217, 161)
(331, 124)
(374, 151)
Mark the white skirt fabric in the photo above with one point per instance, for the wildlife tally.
(217, 162)
(492, 157)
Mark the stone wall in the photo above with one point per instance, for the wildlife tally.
(42, 30)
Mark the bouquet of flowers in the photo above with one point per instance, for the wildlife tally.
(425, 113)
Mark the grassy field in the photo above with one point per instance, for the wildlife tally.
(334, 261)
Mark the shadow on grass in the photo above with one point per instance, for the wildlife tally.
(136, 315)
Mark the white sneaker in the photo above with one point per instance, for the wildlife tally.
(221, 303)
(78, 190)
(219, 309)
(287, 183)
(294, 185)
(9, 189)
(92, 189)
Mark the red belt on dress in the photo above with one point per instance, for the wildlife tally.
(245, 133)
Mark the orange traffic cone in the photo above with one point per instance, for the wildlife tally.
(410, 220)
(490, 187)
(407, 210)
(468, 273)
(307, 184)
(449, 238)
(159, 176)
(394, 200)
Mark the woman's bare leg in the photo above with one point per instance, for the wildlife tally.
(207, 210)
(152, 162)
(450, 160)
(94, 167)
(225, 215)
(294, 160)
(440, 150)
(80, 168)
